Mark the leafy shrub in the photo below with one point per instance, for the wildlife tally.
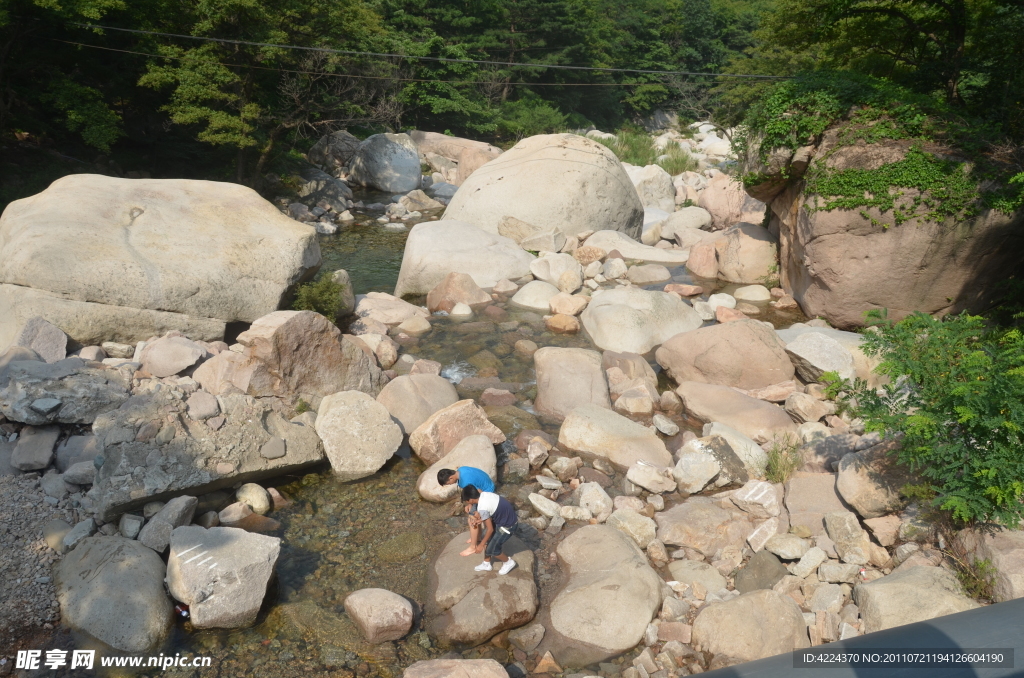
(322, 296)
(957, 396)
(783, 458)
(636, 147)
(529, 116)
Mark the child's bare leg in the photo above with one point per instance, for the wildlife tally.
(474, 535)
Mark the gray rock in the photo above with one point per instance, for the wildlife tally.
(665, 425)
(319, 187)
(170, 355)
(53, 485)
(333, 151)
(6, 450)
(84, 392)
(380, 614)
(198, 459)
(814, 353)
(202, 406)
(77, 449)
(358, 433)
(54, 532)
(527, 638)
(48, 341)
(468, 607)
(76, 534)
(221, 573)
(762, 571)
(758, 624)
(80, 473)
(608, 601)
(692, 572)
(839, 573)
(636, 320)
(788, 546)
(113, 589)
(701, 524)
(606, 434)
(34, 450)
(387, 162)
(912, 595)
(130, 525)
(157, 532)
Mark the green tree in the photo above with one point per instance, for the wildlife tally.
(956, 395)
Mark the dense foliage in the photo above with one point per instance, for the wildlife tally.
(957, 396)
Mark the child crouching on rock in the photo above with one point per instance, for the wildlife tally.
(499, 519)
(465, 476)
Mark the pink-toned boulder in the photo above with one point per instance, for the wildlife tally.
(456, 288)
(444, 429)
(380, 614)
(754, 418)
(728, 203)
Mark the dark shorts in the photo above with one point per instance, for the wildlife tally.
(498, 541)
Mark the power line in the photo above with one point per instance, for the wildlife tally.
(363, 77)
(428, 58)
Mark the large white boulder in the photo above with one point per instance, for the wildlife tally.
(113, 589)
(387, 162)
(916, 594)
(746, 354)
(475, 450)
(596, 430)
(654, 186)
(635, 320)
(754, 418)
(535, 295)
(609, 599)
(563, 181)
(221, 573)
(863, 365)
(358, 433)
(568, 378)
(148, 256)
(412, 398)
(752, 626)
(631, 249)
(436, 248)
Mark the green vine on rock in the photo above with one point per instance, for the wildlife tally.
(919, 186)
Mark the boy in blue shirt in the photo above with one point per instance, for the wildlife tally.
(467, 476)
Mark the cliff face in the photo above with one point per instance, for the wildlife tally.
(839, 263)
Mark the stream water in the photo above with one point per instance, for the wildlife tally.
(338, 537)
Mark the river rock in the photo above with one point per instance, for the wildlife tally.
(631, 249)
(636, 320)
(412, 398)
(746, 354)
(444, 429)
(334, 150)
(762, 571)
(436, 248)
(609, 599)
(809, 496)
(654, 186)
(701, 524)
(787, 546)
(156, 534)
(455, 668)
(757, 419)
(697, 466)
(690, 572)
(358, 434)
(814, 353)
(599, 431)
(552, 267)
(465, 607)
(863, 364)
(290, 353)
(47, 341)
(806, 408)
(317, 187)
(255, 497)
(851, 541)
(640, 529)
(870, 481)
(553, 170)
(754, 625)
(759, 499)
(178, 270)
(568, 378)
(66, 392)
(568, 304)
(747, 253)
(387, 309)
(535, 295)
(596, 500)
(916, 594)
(221, 573)
(380, 614)
(648, 274)
(386, 162)
(727, 202)
(113, 589)
(170, 355)
(456, 288)
(197, 459)
(686, 219)
(1004, 550)
(530, 236)
(34, 449)
(654, 480)
(475, 450)
(202, 406)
